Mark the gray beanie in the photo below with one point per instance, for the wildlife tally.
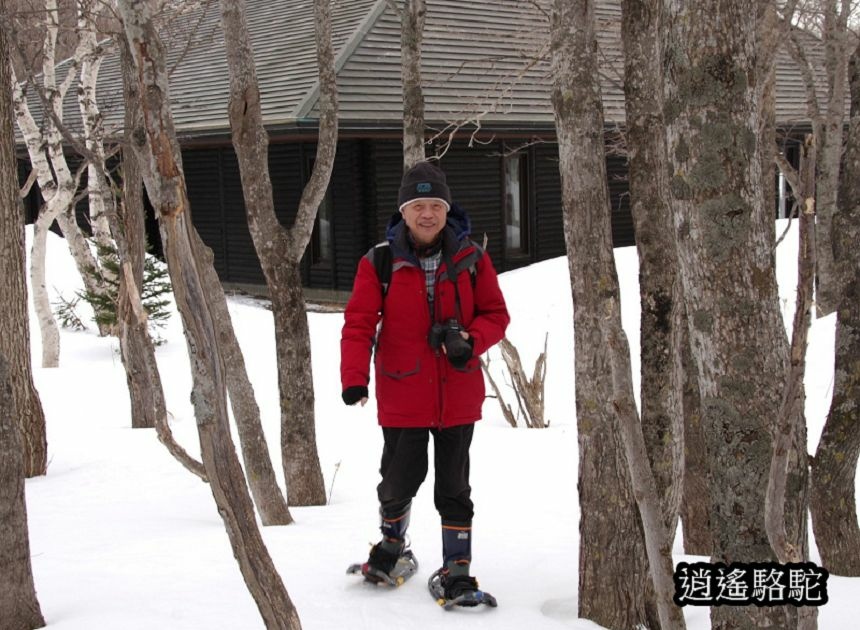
(423, 181)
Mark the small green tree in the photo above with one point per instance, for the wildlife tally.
(156, 287)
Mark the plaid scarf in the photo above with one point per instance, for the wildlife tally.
(430, 265)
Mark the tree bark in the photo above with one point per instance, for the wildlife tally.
(411, 35)
(136, 349)
(19, 607)
(21, 413)
(662, 305)
(281, 250)
(56, 183)
(89, 11)
(834, 468)
(612, 569)
(725, 243)
(828, 129)
(14, 324)
(790, 413)
(696, 502)
(158, 150)
(259, 471)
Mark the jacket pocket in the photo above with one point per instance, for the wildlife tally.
(472, 365)
(399, 370)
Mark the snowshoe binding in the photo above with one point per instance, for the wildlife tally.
(385, 567)
(458, 590)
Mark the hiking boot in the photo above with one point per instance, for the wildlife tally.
(384, 555)
(456, 586)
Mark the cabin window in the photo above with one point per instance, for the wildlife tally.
(321, 238)
(516, 204)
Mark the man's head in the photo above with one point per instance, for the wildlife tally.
(424, 201)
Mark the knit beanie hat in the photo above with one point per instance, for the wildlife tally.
(423, 181)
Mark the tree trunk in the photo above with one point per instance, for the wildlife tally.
(136, 349)
(279, 250)
(56, 183)
(89, 11)
(725, 244)
(305, 484)
(50, 333)
(411, 35)
(662, 318)
(85, 261)
(14, 324)
(696, 502)
(829, 130)
(260, 473)
(19, 607)
(790, 413)
(834, 468)
(161, 163)
(612, 570)
(21, 413)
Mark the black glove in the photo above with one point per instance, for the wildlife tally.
(352, 395)
(463, 354)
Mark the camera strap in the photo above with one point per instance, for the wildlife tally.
(450, 271)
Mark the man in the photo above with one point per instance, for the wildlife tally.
(435, 323)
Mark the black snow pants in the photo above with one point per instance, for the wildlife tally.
(404, 468)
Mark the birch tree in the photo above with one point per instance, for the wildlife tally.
(89, 12)
(156, 146)
(611, 590)
(725, 241)
(57, 184)
(19, 607)
(280, 249)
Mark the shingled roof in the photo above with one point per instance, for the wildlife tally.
(478, 56)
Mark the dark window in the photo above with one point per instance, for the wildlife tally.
(321, 237)
(516, 204)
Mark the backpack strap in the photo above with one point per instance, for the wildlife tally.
(382, 262)
(470, 261)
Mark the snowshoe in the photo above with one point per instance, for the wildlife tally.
(459, 590)
(402, 568)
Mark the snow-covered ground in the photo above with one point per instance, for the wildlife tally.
(122, 537)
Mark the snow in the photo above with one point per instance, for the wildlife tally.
(123, 537)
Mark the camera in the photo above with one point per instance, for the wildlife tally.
(457, 349)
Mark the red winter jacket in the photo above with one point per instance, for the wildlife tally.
(416, 386)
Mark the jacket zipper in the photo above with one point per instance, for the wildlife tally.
(440, 368)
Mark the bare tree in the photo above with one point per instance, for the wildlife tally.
(662, 306)
(136, 350)
(529, 392)
(790, 413)
(726, 255)
(828, 119)
(279, 249)
(57, 184)
(411, 16)
(156, 145)
(14, 326)
(19, 608)
(834, 467)
(611, 542)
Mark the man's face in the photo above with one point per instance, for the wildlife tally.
(425, 218)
